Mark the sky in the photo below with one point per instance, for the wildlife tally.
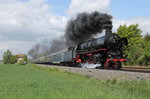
(23, 23)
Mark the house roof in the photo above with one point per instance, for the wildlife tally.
(21, 55)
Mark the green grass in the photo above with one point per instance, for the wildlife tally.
(32, 82)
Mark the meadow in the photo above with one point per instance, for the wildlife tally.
(32, 82)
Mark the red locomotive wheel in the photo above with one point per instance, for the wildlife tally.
(118, 65)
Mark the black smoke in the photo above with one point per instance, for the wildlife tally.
(85, 26)
(80, 29)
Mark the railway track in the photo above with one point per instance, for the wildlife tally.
(136, 69)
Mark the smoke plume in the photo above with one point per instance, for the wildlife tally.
(78, 30)
(58, 44)
(39, 49)
(45, 47)
(86, 25)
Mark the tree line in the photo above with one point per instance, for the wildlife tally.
(9, 58)
(138, 49)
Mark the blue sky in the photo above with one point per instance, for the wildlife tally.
(130, 8)
(118, 8)
(59, 6)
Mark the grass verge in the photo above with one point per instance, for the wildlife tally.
(32, 82)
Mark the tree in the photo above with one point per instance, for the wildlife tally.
(145, 58)
(147, 37)
(26, 59)
(7, 57)
(147, 49)
(135, 47)
(14, 59)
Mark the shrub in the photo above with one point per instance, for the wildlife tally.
(21, 62)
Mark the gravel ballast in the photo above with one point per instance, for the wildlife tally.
(103, 74)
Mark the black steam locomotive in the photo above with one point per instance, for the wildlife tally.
(107, 51)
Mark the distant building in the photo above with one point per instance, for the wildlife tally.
(21, 57)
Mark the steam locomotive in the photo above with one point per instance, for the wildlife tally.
(107, 51)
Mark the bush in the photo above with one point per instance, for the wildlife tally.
(21, 62)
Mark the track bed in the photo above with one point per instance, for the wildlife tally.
(103, 74)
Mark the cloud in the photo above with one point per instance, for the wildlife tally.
(144, 23)
(78, 6)
(29, 19)
(26, 22)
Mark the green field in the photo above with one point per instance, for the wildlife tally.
(32, 82)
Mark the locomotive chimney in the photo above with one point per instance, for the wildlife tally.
(108, 31)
